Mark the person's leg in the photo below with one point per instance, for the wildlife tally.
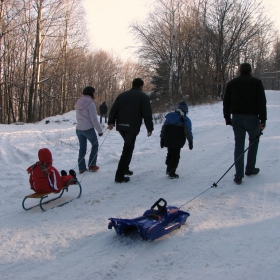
(167, 161)
(92, 138)
(105, 118)
(100, 118)
(82, 150)
(252, 127)
(125, 159)
(239, 137)
(174, 159)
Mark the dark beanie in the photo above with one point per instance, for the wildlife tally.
(89, 90)
(183, 106)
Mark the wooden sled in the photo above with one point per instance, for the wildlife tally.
(43, 196)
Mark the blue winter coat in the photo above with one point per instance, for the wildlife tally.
(176, 129)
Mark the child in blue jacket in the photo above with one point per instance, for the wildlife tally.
(174, 132)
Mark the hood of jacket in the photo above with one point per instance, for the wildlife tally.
(83, 102)
(173, 117)
(45, 156)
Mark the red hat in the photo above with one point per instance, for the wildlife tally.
(45, 156)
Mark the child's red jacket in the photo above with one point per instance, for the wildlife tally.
(44, 177)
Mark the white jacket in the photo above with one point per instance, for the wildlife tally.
(86, 114)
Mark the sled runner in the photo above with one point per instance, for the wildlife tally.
(156, 222)
(44, 196)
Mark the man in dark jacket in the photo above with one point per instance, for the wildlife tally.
(128, 110)
(245, 100)
(103, 111)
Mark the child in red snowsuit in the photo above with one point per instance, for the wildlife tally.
(44, 177)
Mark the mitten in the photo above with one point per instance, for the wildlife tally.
(228, 122)
(190, 145)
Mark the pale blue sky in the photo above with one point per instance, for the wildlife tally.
(108, 21)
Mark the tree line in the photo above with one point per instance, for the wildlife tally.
(195, 46)
(187, 49)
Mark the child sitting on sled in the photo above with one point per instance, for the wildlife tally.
(44, 177)
(174, 132)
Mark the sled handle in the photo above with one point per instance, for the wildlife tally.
(160, 208)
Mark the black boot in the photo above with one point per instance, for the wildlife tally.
(173, 175)
(63, 173)
(73, 173)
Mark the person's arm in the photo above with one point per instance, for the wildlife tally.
(93, 118)
(147, 114)
(113, 114)
(226, 106)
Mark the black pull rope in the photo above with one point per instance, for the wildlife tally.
(216, 184)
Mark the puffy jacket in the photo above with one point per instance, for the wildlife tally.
(128, 110)
(45, 178)
(86, 114)
(176, 129)
(245, 95)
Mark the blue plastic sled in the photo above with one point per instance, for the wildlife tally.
(156, 222)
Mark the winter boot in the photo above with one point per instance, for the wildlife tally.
(173, 175)
(73, 173)
(128, 172)
(63, 173)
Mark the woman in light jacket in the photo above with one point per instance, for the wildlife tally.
(87, 123)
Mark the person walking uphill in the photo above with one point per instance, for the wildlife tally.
(174, 132)
(128, 110)
(103, 111)
(87, 122)
(245, 100)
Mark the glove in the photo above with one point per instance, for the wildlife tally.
(161, 142)
(190, 145)
(100, 134)
(228, 122)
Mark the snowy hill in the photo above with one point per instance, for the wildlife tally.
(232, 232)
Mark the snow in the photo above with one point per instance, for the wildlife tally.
(232, 231)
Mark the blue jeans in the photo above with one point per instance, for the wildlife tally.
(103, 115)
(242, 124)
(83, 136)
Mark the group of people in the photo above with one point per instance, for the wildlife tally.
(244, 108)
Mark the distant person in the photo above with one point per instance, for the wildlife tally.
(103, 111)
(174, 132)
(128, 110)
(245, 100)
(87, 122)
(44, 177)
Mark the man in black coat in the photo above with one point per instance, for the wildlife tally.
(103, 111)
(128, 110)
(245, 100)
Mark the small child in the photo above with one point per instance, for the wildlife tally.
(44, 177)
(174, 132)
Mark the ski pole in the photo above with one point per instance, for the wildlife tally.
(216, 184)
(251, 143)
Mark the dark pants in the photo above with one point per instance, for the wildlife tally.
(128, 147)
(242, 124)
(103, 115)
(172, 159)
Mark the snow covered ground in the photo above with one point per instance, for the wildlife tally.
(232, 231)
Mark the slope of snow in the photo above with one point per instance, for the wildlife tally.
(232, 231)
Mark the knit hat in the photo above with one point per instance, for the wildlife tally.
(183, 106)
(89, 90)
(45, 156)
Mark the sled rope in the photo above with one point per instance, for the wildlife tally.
(215, 185)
